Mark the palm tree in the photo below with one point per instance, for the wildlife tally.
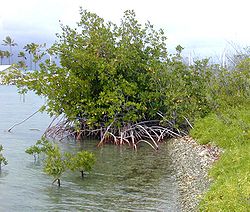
(32, 49)
(7, 55)
(9, 42)
(22, 63)
(2, 55)
(22, 55)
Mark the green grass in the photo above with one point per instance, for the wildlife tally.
(230, 130)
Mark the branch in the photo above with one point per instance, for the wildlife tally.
(23, 120)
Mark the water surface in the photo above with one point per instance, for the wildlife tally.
(122, 179)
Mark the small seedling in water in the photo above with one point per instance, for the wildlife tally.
(3, 160)
(33, 150)
(54, 164)
(41, 146)
(82, 161)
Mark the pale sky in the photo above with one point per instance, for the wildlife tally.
(200, 26)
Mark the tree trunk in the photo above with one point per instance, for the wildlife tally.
(59, 182)
(82, 174)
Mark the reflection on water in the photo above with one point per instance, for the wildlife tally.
(122, 180)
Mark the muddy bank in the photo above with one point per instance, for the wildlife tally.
(191, 163)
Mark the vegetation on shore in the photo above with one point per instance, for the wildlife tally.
(228, 126)
(230, 130)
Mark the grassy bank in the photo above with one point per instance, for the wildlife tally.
(229, 130)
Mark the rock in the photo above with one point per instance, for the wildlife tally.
(191, 163)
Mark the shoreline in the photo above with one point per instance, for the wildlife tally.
(191, 163)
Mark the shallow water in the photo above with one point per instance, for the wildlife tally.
(122, 179)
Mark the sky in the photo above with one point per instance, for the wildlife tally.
(202, 27)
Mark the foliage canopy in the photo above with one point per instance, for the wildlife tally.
(105, 70)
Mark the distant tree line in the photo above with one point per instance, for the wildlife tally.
(27, 59)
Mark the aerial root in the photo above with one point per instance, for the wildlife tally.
(138, 133)
(148, 132)
(24, 120)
